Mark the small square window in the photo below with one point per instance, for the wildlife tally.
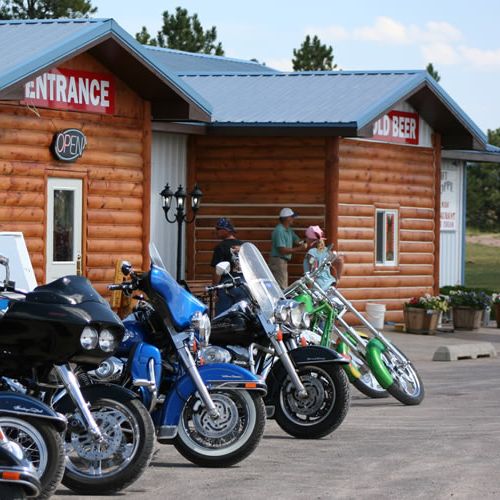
(386, 237)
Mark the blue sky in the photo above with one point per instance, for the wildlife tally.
(460, 37)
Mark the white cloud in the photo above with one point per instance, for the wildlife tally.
(283, 64)
(385, 29)
(440, 53)
(484, 59)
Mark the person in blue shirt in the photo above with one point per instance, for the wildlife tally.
(284, 243)
(317, 252)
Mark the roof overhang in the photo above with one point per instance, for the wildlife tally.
(280, 129)
(437, 108)
(472, 156)
(170, 97)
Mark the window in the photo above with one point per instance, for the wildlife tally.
(386, 237)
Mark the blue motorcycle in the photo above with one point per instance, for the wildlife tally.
(214, 414)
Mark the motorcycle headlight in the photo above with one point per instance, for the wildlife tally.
(296, 313)
(89, 338)
(306, 320)
(281, 312)
(201, 323)
(107, 340)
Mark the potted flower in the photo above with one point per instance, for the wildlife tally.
(495, 302)
(421, 314)
(468, 308)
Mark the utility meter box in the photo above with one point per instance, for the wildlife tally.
(13, 246)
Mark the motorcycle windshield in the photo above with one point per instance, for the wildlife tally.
(261, 282)
(181, 304)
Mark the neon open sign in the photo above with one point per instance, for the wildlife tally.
(69, 144)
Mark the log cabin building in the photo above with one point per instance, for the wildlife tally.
(358, 153)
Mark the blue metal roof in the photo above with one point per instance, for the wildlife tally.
(318, 99)
(28, 48)
(179, 61)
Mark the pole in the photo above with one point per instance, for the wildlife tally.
(180, 220)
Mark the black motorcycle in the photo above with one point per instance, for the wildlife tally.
(30, 441)
(308, 392)
(110, 436)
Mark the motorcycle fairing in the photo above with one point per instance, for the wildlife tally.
(181, 304)
(139, 368)
(217, 375)
(134, 333)
(22, 405)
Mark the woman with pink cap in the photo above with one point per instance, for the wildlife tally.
(317, 252)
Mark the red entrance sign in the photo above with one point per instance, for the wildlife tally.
(397, 126)
(72, 90)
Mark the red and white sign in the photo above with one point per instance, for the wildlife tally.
(72, 90)
(397, 126)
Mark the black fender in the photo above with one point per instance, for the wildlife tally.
(94, 391)
(309, 355)
(21, 405)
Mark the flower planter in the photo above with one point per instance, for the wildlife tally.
(466, 318)
(418, 320)
(497, 314)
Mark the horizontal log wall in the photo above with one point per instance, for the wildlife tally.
(374, 175)
(112, 168)
(250, 179)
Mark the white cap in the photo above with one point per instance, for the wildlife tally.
(287, 212)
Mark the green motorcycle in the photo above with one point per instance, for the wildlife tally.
(377, 366)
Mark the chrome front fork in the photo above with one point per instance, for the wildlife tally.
(72, 386)
(282, 353)
(191, 368)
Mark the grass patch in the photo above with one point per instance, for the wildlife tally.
(482, 266)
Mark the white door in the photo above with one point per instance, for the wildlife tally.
(64, 227)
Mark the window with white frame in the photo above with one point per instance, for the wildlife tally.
(386, 237)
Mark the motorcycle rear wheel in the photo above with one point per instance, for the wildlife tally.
(42, 446)
(223, 442)
(130, 436)
(322, 411)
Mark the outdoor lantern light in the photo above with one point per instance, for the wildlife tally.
(196, 195)
(180, 215)
(166, 197)
(180, 198)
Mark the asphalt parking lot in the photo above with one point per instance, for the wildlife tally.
(448, 447)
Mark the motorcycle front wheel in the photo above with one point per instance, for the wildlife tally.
(226, 440)
(367, 383)
(324, 408)
(42, 446)
(94, 467)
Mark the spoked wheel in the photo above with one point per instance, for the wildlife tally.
(324, 408)
(407, 386)
(226, 440)
(98, 467)
(367, 383)
(42, 446)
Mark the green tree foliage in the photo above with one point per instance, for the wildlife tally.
(313, 56)
(433, 72)
(183, 32)
(483, 192)
(45, 9)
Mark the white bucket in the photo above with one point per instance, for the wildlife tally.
(375, 314)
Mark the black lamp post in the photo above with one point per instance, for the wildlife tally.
(180, 215)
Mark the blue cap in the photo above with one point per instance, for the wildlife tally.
(224, 223)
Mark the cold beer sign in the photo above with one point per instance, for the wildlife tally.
(72, 90)
(397, 126)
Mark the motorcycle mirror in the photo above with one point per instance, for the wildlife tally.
(222, 268)
(126, 268)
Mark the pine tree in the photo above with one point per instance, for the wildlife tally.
(313, 56)
(45, 9)
(430, 69)
(183, 32)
